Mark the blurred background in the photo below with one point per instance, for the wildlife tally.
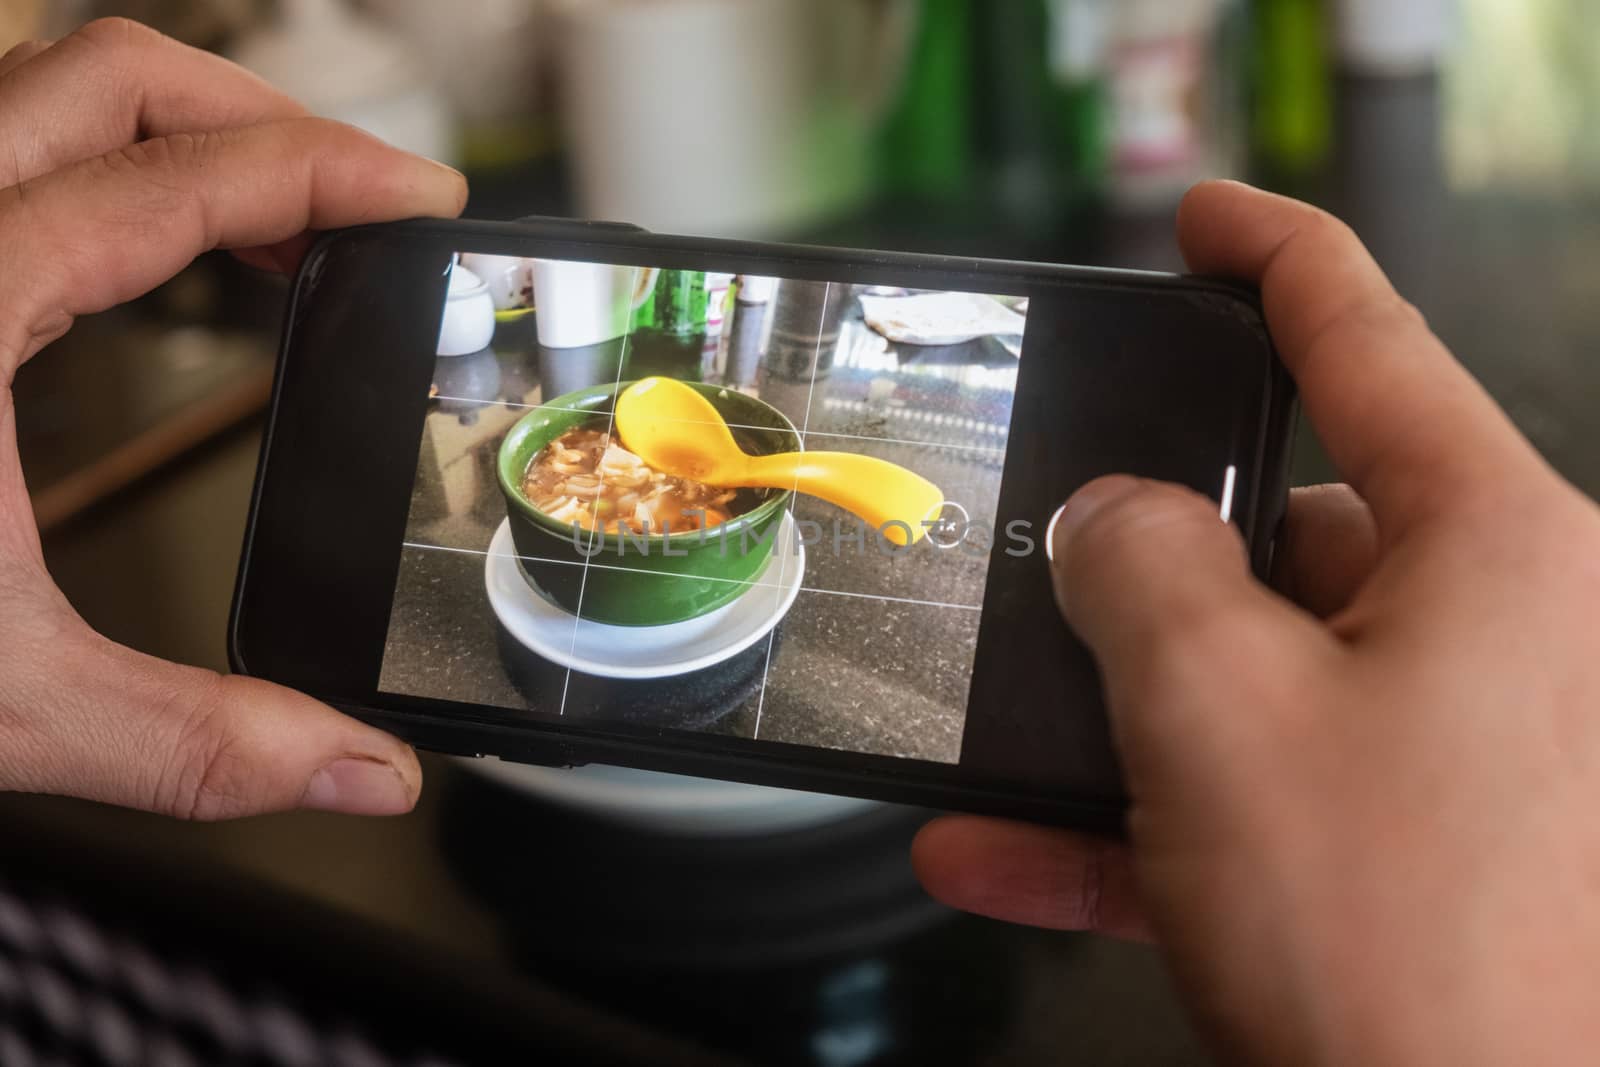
(614, 917)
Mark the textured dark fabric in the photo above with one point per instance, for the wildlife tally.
(72, 992)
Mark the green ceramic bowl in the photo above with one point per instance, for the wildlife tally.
(641, 581)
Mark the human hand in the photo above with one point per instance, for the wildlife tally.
(123, 155)
(1362, 814)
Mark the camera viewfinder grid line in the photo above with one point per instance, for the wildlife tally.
(805, 424)
(594, 515)
(999, 450)
(748, 583)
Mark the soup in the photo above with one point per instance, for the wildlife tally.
(586, 477)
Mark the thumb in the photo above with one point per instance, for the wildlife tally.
(1158, 587)
(114, 725)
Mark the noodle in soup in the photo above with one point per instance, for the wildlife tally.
(586, 477)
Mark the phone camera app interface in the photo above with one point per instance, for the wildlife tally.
(748, 506)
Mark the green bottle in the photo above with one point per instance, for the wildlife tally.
(1292, 110)
(677, 305)
(925, 148)
(1044, 92)
(669, 329)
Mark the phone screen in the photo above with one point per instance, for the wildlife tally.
(549, 570)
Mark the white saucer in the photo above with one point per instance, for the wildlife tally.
(643, 651)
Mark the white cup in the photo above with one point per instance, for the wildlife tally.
(580, 304)
(725, 117)
(468, 322)
(508, 277)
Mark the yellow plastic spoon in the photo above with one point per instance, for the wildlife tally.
(676, 430)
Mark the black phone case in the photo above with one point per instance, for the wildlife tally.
(531, 743)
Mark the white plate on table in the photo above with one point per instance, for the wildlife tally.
(936, 319)
(643, 651)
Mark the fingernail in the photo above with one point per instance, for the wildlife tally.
(358, 787)
(448, 169)
(1082, 505)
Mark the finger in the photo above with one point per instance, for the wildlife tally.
(1141, 566)
(103, 231)
(265, 258)
(106, 723)
(114, 82)
(1035, 875)
(1402, 420)
(1328, 548)
(1158, 587)
(281, 258)
(21, 557)
(18, 55)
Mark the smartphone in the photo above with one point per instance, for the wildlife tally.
(451, 538)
